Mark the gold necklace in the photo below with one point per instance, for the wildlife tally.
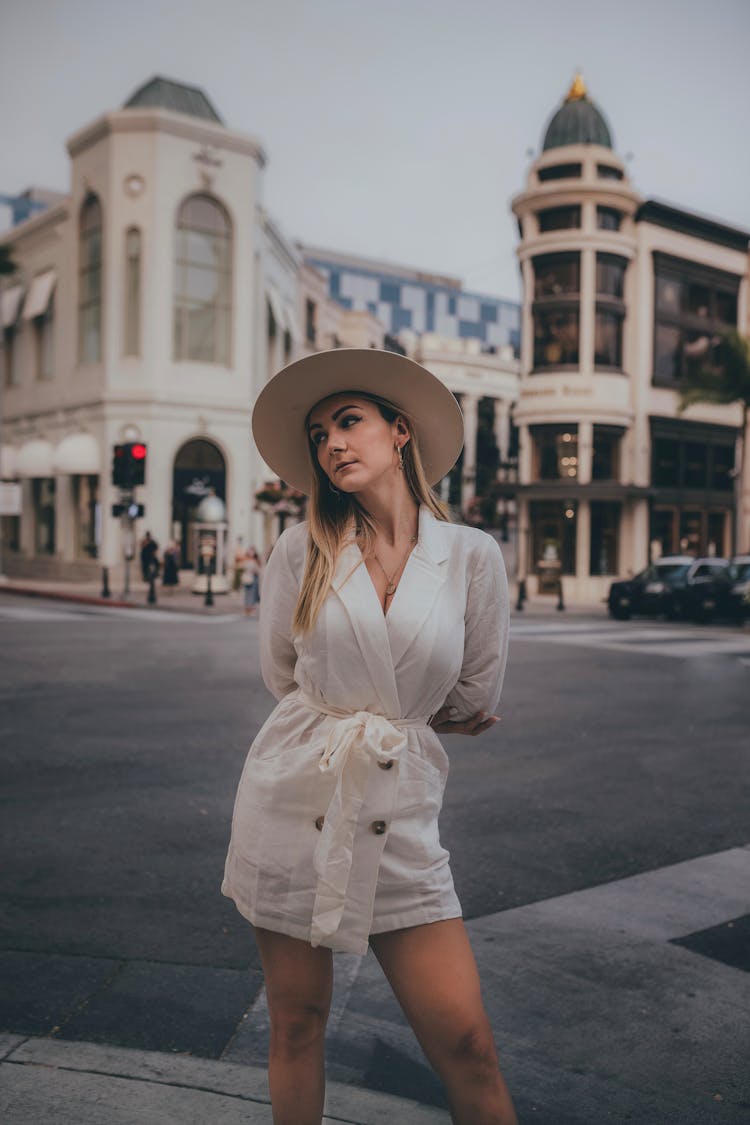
(390, 589)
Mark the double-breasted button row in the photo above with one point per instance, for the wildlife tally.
(377, 826)
(319, 823)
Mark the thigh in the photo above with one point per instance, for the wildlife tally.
(296, 975)
(433, 974)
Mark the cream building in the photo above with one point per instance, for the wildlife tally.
(621, 294)
(151, 304)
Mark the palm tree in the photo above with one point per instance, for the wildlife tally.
(725, 379)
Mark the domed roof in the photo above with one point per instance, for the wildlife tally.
(164, 93)
(577, 121)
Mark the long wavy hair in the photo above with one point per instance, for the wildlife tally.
(332, 516)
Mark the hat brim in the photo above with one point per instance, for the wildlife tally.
(284, 403)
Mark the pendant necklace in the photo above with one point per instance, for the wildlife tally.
(390, 589)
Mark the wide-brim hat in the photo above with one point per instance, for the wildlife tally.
(283, 405)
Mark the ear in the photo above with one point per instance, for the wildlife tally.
(401, 428)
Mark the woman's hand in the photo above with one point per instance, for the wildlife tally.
(441, 722)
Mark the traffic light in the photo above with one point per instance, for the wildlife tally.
(129, 464)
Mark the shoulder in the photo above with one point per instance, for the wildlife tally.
(292, 546)
(475, 544)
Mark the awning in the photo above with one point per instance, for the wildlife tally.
(78, 454)
(290, 322)
(11, 303)
(8, 458)
(274, 300)
(35, 459)
(40, 295)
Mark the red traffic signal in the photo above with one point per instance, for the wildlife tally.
(129, 464)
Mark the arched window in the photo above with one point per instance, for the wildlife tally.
(132, 334)
(203, 281)
(90, 281)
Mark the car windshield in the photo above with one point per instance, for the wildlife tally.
(665, 572)
(740, 572)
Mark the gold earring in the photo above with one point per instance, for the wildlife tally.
(400, 452)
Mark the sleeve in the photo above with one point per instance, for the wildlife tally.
(487, 623)
(280, 592)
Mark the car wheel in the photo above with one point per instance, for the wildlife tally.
(619, 614)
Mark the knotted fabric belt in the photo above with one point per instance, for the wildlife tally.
(353, 740)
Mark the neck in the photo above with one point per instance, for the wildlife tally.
(394, 510)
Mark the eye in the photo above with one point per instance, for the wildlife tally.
(350, 418)
(317, 437)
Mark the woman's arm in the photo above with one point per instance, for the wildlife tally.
(469, 706)
(280, 591)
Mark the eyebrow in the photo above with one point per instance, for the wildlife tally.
(334, 416)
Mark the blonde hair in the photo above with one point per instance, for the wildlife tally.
(330, 517)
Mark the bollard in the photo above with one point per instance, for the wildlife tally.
(560, 602)
(521, 594)
(106, 593)
(209, 592)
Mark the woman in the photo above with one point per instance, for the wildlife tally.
(382, 624)
(251, 581)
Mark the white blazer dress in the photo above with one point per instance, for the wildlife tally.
(335, 825)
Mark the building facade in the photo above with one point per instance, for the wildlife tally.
(620, 296)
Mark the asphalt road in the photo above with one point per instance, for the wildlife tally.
(622, 749)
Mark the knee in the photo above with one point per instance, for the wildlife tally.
(473, 1050)
(296, 1028)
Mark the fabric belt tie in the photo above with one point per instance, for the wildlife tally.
(354, 739)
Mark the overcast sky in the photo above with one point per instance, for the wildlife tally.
(399, 129)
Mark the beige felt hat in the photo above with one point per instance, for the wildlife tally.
(286, 400)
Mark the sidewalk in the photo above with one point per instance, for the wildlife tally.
(182, 600)
(626, 1002)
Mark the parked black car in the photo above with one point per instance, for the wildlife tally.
(674, 586)
(739, 592)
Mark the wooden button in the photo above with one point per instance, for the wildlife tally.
(319, 823)
(378, 827)
(385, 765)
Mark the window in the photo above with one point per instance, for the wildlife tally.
(607, 218)
(90, 281)
(44, 329)
(203, 297)
(608, 172)
(132, 292)
(556, 310)
(693, 307)
(722, 468)
(560, 172)
(310, 316)
(43, 496)
(555, 452)
(12, 355)
(610, 310)
(692, 461)
(665, 462)
(605, 521)
(606, 453)
(560, 218)
(87, 515)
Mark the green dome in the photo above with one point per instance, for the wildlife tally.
(164, 93)
(577, 122)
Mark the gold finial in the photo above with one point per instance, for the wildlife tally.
(577, 90)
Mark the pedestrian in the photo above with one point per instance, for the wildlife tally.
(149, 557)
(251, 581)
(171, 569)
(240, 555)
(383, 625)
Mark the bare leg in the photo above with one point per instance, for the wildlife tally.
(433, 974)
(299, 983)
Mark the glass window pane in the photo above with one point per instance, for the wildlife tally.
(690, 532)
(605, 456)
(560, 172)
(722, 467)
(667, 354)
(669, 294)
(555, 337)
(726, 308)
(556, 274)
(200, 284)
(610, 276)
(699, 300)
(607, 218)
(605, 520)
(608, 339)
(696, 464)
(665, 462)
(560, 218)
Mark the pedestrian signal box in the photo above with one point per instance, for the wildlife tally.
(129, 464)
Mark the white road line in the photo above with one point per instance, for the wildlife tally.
(684, 644)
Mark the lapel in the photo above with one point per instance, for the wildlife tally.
(424, 574)
(353, 585)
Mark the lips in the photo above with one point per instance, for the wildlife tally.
(344, 465)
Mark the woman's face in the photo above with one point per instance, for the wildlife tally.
(354, 444)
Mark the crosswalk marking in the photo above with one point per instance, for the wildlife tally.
(688, 643)
(97, 613)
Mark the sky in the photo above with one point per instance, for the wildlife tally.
(399, 129)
